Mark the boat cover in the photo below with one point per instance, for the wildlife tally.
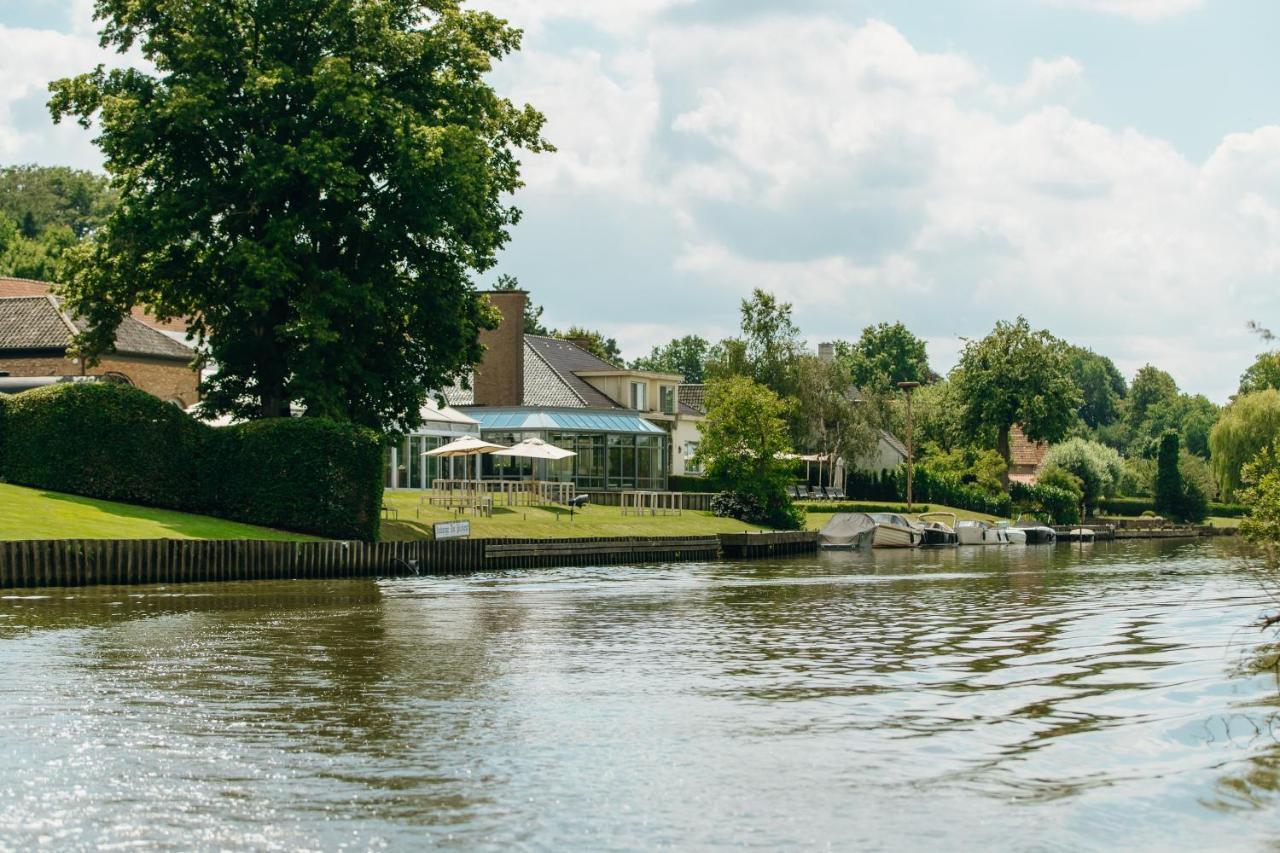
(846, 529)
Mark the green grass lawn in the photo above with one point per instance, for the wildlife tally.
(552, 522)
(37, 514)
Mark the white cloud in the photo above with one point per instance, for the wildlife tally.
(777, 145)
(1139, 10)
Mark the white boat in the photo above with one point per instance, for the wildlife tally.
(1037, 533)
(938, 528)
(975, 532)
(894, 531)
(847, 530)
(1015, 535)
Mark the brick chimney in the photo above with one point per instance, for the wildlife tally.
(826, 353)
(499, 377)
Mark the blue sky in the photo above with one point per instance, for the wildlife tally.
(1109, 168)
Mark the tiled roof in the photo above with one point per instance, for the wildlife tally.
(36, 322)
(1023, 452)
(693, 397)
(10, 286)
(32, 322)
(565, 360)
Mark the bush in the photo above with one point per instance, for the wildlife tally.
(1130, 507)
(312, 475)
(745, 506)
(115, 442)
(835, 507)
(947, 489)
(105, 441)
(873, 485)
(686, 483)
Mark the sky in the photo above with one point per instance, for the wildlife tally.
(1109, 169)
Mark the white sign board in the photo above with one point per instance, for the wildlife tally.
(452, 530)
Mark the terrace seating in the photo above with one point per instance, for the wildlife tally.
(795, 493)
(836, 493)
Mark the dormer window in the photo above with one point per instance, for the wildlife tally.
(668, 399)
(638, 401)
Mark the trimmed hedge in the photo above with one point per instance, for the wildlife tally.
(311, 475)
(115, 442)
(686, 483)
(1137, 506)
(836, 506)
(947, 489)
(103, 440)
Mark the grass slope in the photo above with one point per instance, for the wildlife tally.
(37, 514)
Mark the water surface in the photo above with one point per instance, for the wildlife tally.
(1043, 698)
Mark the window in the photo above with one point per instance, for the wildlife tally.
(691, 467)
(668, 399)
(638, 401)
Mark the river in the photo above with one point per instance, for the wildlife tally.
(1104, 696)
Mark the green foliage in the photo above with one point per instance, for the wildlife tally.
(1150, 386)
(39, 198)
(1134, 506)
(885, 355)
(1099, 468)
(116, 442)
(313, 184)
(1264, 373)
(39, 257)
(1261, 491)
(1168, 490)
(768, 351)
(593, 342)
(1101, 386)
(938, 411)
(946, 488)
(873, 485)
(679, 483)
(1055, 477)
(744, 439)
(833, 507)
(105, 441)
(312, 475)
(686, 356)
(971, 465)
(831, 420)
(1017, 376)
(1049, 503)
(1250, 423)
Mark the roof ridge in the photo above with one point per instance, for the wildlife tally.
(66, 321)
(552, 368)
(23, 278)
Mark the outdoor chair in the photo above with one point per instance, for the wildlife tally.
(795, 492)
(837, 493)
(813, 496)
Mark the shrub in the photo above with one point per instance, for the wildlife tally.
(1100, 468)
(873, 485)
(947, 489)
(312, 475)
(833, 507)
(745, 506)
(1168, 497)
(686, 483)
(105, 441)
(115, 442)
(1058, 505)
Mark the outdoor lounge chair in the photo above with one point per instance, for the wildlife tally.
(836, 493)
(795, 492)
(813, 495)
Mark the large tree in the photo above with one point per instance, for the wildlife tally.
(686, 356)
(1017, 376)
(768, 350)
(885, 355)
(1248, 425)
(1101, 386)
(1264, 373)
(313, 183)
(837, 422)
(42, 197)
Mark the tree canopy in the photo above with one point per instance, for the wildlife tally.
(686, 356)
(884, 355)
(45, 210)
(313, 184)
(1099, 468)
(1101, 386)
(1016, 376)
(768, 350)
(1264, 373)
(1250, 423)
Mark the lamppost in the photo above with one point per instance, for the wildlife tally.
(907, 388)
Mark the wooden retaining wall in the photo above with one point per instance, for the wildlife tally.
(780, 543)
(83, 562)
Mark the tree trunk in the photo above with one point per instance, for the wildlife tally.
(1002, 447)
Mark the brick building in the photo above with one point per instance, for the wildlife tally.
(35, 333)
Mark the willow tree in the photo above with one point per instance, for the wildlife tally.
(313, 183)
(1250, 423)
(1016, 376)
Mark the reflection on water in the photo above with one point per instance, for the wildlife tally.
(1054, 697)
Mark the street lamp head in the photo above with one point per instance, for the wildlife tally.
(908, 386)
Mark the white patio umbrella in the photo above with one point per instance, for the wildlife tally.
(468, 445)
(535, 448)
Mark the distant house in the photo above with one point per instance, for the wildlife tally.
(35, 334)
(688, 432)
(1026, 457)
(618, 422)
(888, 454)
(9, 286)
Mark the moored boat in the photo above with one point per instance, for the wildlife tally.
(847, 530)
(1037, 533)
(974, 532)
(1015, 535)
(894, 531)
(937, 530)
